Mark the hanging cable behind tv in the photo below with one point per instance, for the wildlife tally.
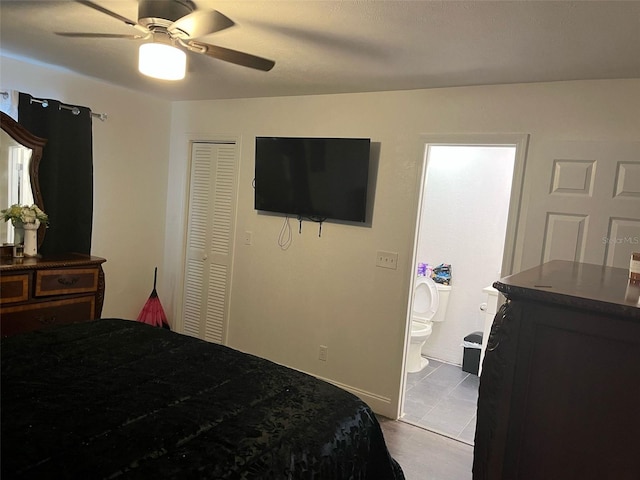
(312, 218)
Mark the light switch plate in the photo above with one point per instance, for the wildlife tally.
(387, 259)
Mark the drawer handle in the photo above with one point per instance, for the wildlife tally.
(68, 281)
(47, 320)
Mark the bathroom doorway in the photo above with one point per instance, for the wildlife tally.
(467, 218)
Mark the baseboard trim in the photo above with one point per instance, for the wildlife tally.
(378, 403)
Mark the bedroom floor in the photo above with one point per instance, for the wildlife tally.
(424, 455)
(443, 398)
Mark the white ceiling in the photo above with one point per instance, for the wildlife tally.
(347, 46)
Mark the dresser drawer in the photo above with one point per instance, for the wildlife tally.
(66, 281)
(14, 288)
(56, 289)
(34, 316)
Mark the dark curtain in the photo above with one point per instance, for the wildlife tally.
(66, 172)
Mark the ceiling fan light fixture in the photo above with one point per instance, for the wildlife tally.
(162, 61)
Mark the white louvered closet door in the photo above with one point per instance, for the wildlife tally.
(209, 239)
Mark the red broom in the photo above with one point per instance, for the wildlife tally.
(152, 312)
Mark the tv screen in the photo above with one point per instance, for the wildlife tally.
(313, 177)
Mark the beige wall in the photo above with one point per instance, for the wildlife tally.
(130, 157)
(327, 290)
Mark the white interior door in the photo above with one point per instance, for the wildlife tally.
(212, 191)
(585, 205)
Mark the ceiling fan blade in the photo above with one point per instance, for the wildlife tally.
(106, 11)
(200, 23)
(232, 56)
(97, 35)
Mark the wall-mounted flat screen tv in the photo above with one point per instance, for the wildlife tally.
(319, 178)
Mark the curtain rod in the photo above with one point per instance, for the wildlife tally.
(75, 110)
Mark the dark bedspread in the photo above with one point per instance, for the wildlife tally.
(121, 399)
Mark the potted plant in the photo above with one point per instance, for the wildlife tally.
(26, 219)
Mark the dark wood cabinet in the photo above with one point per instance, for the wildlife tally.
(49, 290)
(560, 387)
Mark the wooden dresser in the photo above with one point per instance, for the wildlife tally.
(49, 290)
(560, 387)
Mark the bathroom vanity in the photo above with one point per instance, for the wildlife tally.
(559, 392)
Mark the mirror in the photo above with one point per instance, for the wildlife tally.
(20, 155)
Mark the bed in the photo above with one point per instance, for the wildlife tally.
(118, 399)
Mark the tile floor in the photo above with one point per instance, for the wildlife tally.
(442, 398)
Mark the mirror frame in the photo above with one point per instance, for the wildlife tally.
(36, 144)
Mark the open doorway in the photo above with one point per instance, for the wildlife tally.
(466, 223)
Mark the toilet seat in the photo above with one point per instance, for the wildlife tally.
(419, 329)
(425, 299)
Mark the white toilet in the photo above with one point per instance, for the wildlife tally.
(430, 300)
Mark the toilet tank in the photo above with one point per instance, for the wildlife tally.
(443, 295)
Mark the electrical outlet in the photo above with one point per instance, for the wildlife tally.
(322, 354)
(387, 259)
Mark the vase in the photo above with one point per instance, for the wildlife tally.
(18, 232)
(31, 239)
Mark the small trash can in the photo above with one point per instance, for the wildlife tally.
(471, 357)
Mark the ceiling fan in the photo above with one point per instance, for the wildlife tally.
(176, 23)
